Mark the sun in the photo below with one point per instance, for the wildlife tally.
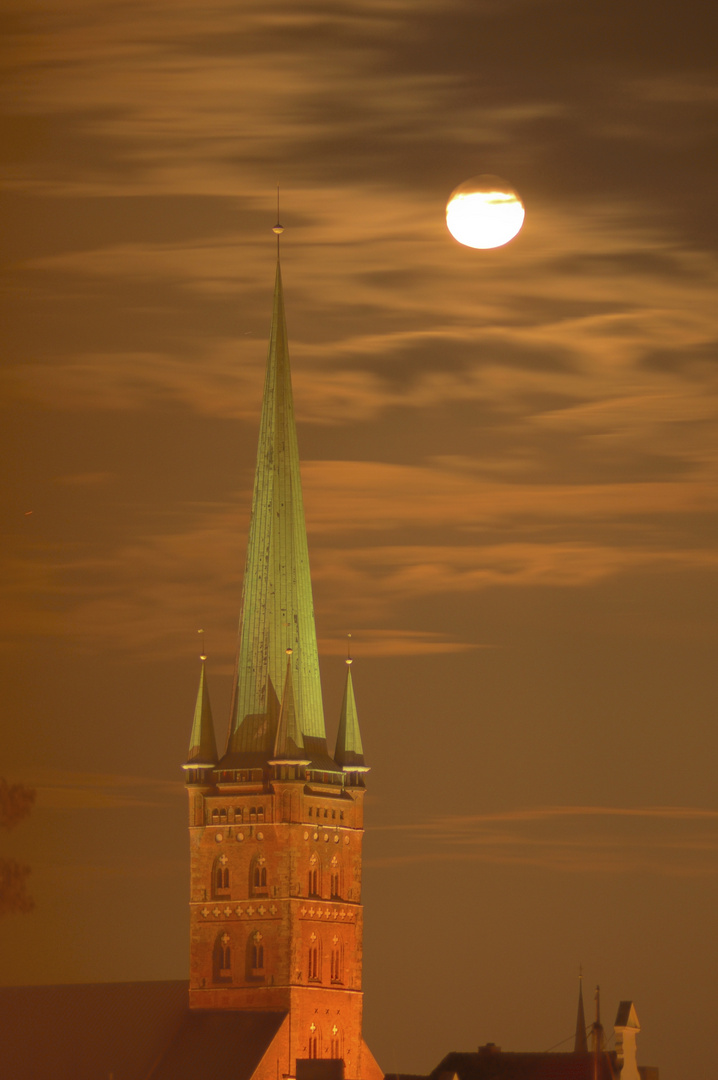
(484, 212)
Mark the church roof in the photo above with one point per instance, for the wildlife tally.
(277, 606)
(226, 1045)
(490, 1063)
(131, 1031)
(80, 1032)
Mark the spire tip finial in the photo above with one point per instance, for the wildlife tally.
(277, 229)
(203, 654)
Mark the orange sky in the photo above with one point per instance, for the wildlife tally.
(510, 473)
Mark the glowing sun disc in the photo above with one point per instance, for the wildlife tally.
(484, 212)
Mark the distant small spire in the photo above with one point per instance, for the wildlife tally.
(580, 1045)
(597, 1036)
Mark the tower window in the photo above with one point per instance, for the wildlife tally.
(255, 956)
(336, 891)
(260, 813)
(336, 965)
(335, 1043)
(223, 816)
(314, 970)
(315, 1043)
(222, 958)
(258, 876)
(315, 876)
(215, 817)
(220, 875)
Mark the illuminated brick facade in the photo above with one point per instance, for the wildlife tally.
(276, 822)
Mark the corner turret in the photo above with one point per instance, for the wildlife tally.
(202, 756)
(349, 753)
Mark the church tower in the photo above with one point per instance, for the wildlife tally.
(276, 821)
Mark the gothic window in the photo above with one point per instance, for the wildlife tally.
(255, 956)
(220, 876)
(335, 878)
(315, 875)
(336, 963)
(222, 958)
(335, 1042)
(258, 876)
(315, 1041)
(314, 970)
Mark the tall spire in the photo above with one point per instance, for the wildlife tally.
(349, 752)
(580, 1045)
(202, 746)
(277, 608)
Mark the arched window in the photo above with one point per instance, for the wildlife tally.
(315, 875)
(215, 817)
(335, 1042)
(315, 1041)
(335, 965)
(222, 958)
(258, 876)
(220, 876)
(314, 967)
(255, 956)
(335, 878)
(223, 816)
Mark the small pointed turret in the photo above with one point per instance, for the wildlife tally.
(349, 752)
(580, 1045)
(289, 742)
(202, 744)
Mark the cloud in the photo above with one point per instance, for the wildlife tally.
(58, 789)
(663, 840)
(378, 642)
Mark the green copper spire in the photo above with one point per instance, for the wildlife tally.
(349, 752)
(277, 608)
(202, 745)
